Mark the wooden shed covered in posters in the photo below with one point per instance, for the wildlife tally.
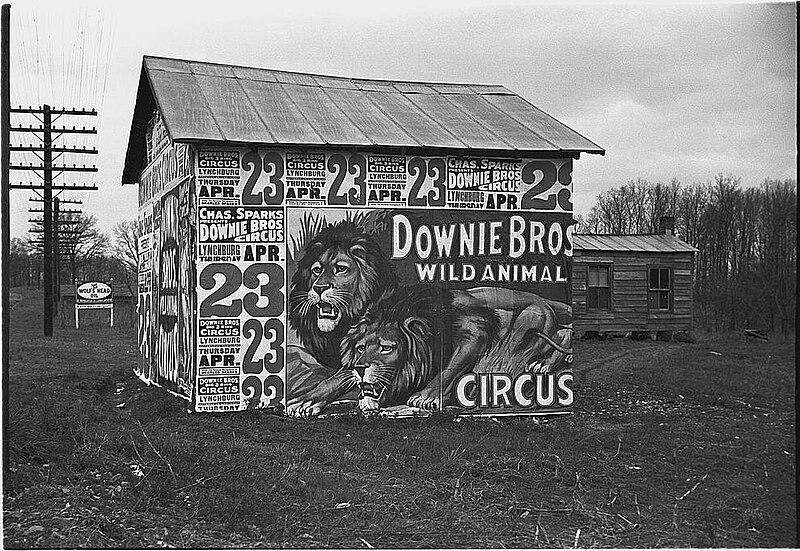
(632, 283)
(281, 211)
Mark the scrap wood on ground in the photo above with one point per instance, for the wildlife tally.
(669, 446)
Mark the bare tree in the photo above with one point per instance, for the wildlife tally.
(126, 251)
(80, 243)
(21, 262)
(746, 266)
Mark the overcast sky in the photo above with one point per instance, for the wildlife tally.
(679, 91)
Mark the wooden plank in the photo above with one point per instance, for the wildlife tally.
(592, 315)
(373, 122)
(232, 110)
(285, 123)
(620, 275)
(664, 316)
(422, 128)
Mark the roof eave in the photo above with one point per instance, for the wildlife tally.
(146, 103)
(410, 147)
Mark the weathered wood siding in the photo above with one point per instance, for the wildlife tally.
(629, 292)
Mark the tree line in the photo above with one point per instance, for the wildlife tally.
(745, 269)
(746, 265)
(87, 253)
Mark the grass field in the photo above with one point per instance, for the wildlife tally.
(671, 445)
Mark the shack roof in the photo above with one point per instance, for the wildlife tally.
(211, 102)
(651, 243)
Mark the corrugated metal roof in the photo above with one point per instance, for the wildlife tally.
(632, 243)
(225, 103)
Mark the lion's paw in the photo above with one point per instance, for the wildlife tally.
(424, 400)
(368, 405)
(305, 408)
(538, 367)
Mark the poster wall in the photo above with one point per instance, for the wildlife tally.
(329, 281)
(165, 279)
(240, 291)
(166, 290)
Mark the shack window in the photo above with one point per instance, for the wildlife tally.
(599, 288)
(660, 295)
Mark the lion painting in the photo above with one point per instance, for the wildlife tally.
(399, 345)
(365, 337)
(535, 334)
(342, 270)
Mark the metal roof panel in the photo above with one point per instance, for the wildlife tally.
(212, 69)
(413, 88)
(166, 64)
(415, 122)
(282, 118)
(654, 243)
(251, 73)
(541, 123)
(489, 89)
(374, 123)
(329, 122)
(183, 107)
(286, 77)
(335, 82)
(374, 85)
(210, 101)
(233, 112)
(500, 124)
(457, 122)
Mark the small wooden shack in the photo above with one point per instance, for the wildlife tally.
(271, 201)
(632, 283)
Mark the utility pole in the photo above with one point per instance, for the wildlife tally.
(47, 171)
(5, 205)
(48, 221)
(61, 239)
(56, 258)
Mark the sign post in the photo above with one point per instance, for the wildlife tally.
(93, 295)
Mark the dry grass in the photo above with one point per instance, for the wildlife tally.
(670, 446)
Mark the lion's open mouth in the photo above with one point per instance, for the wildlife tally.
(327, 310)
(371, 390)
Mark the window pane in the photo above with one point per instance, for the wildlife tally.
(654, 278)
(652, 299)
(603, 279)
(603, 298)
(665, 279)
(593, 276)
(663, 300)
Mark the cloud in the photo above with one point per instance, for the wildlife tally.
(669, 91)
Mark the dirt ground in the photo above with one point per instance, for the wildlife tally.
(671, 445)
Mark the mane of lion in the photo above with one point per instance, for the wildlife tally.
(420, 313)
(375, 275)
